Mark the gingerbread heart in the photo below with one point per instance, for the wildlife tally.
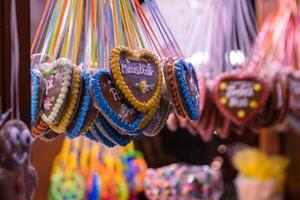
(240, 96)
(90, 119)
(187, 88)
(100, 137)
(89, 135)
(168, 68)
(293, 83)
(112, 104)
(138, 76)
(112, 134)
(49, 136)
(71, 104)
(58, 78)
(161, 116)
(39, 129)
(37, 59)
(37, 94)
(282, 97)
(202, 94)
(86, 100)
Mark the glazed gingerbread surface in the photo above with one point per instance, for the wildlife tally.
(116, 101)
(140, 75)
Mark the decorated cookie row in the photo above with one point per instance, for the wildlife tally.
(239, 101)
(110, 106)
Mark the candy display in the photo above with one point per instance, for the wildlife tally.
(108, 75)
(181, 181)
(102, 173)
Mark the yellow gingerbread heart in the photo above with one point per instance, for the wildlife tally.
(138, 76)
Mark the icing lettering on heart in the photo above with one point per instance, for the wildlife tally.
(137, 75)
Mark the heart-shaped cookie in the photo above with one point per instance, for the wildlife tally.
(71, 104)
(161, 116)
(49, 136)
(293, 83)
(274, 111)
(90, 119)
(187, 88)
(58, 79)
(240, 96)
(138, 76)
(97, 133)
(39, 129)
(111, 134)
(282, 97)
(86, 100)
(37, 94)
(112, 104)
(202, 94)
(168, 68)
(89, 135)
(37, 59)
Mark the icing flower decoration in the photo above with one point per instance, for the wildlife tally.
(47, 103)
(144, 87)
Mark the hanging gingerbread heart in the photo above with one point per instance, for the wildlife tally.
(274, 111)
(100, 137)
(39, 129)
(161, 116)
(85, 101)
(90, 136)
(58, 78)
(90, 120)
(111, 134)
(49, 135)
(112, 104)
(138, 76)
(240, 96)
(37, 59)
(168, 68)
(187, 88)
(37, 95)
(202, 94)
(293, 83)
(282, 97)
(71, 104)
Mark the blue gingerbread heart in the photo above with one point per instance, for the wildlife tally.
(188, 90)
(112, 105)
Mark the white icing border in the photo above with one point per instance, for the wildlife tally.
(67, 76)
